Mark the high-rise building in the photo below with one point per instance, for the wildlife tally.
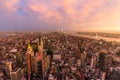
(46, 64)
(104, 63)
(19, 59)
(93, 62)
(40, 69)
(29, 54)
(40, 62)
(16, 74)
(8, 67)
(83, 57)
(34, 64)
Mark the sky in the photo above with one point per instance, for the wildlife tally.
(45, 15)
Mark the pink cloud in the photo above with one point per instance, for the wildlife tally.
(90, 6)
(69, 12)
(69, 6)
(104, 15)
(44, 10)
(8, 5)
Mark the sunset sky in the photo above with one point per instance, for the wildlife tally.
(37, 15)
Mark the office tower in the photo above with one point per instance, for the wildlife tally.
(34, 65)
(40, 62)
(46, 64)
(19, 59)
(8, 67)
(29, 54)
(16, 74)
(83, 57)
(40, 69)
(93, 62)
(104, 63)
(29, 65)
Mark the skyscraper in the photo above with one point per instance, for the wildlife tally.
(104, 62)
(16, 74)
(39, 56)
(28, 55)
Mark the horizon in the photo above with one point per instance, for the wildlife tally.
(114, 32)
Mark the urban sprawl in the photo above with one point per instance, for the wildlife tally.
(57, 56)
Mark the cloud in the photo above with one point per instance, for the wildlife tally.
(8, 5)
(80, 14)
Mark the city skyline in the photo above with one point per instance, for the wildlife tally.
(42, 15)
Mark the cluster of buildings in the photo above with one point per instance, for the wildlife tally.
(57, 56)
(21, 57)
(90, 59)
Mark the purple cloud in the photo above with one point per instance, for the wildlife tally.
(71, 14)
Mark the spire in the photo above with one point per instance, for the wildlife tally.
(29, 47)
